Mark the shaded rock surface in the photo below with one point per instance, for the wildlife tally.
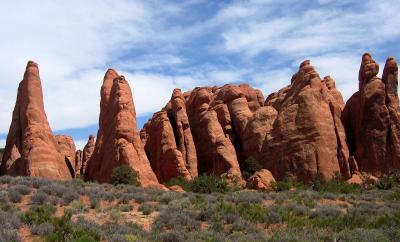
(31, 148)
(371, 118)
(87, 153)
(118, 141)
(66, 147)
(161, 149)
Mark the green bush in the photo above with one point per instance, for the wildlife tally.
(37, 215)
(180, 181)
(124, 174)
(283, 185)
(336, 185)
(208, 184)
(249, 166)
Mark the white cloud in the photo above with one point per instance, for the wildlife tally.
(73, 42)
(312, 30)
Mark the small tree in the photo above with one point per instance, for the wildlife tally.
(249, 166)
(124, 174)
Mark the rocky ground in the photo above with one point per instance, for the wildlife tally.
(34, 209)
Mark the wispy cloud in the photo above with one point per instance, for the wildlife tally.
(159, 45)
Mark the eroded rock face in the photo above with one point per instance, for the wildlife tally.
(307, 138)
(161, 149)
(371, 118)
(215, 152)
(78, 163)
(118, 141)
(208, 126)
(87, 153)
(31, 148)
(66, 146)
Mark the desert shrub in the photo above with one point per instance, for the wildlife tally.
(246, 197)
(176, 219)
(21, 180)
(43, 229)
(64, 230)
(180, 181)
(146, 208)
(39, 182)
(172, 236)
(54, 189)
(326, 211)
(167, 197)
(39, 198)
(385, 183)
(393, 196)
(122, 232)
(115, 215)
(283, 185)
(125, 207)
(94, 202)
(249, 166)
(69, 196)
(336, 185)
(14, 196)
(4, 197)
(124, 174)
(9, 235)
(21, 189)
(77, 206)
(37, 215)
(360, 234)
(208, 184)
(5, 179)
(9, 221)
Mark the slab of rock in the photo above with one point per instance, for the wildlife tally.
(184, 137)
(215, 152)
(261, 180)
(307, 137)
(78, 163)
(87, 153)
(31, 148)
(66, 146)
(118, 141)
(161, 149)
(371, 118)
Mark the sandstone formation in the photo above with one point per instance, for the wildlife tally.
(66, 147)
(161, 149)
(371, 118)
(78, 163)
(31, 148)
(118, 141)
(261, 180)
(300, 132)
(307, 138)
(87, 153)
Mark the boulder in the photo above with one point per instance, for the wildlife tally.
(176, 188)
(31, 148)
(118, 141)
(261, 180)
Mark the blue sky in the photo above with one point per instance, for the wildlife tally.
(159, 45)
